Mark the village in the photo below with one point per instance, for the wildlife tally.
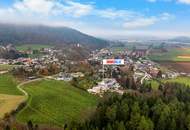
(107, 76)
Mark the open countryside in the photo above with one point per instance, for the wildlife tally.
(25, 47)
(9, 103)
(94, 65)
(55, 102)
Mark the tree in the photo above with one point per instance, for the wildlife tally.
(145, 124)
(159, 75)
(30, 125)
(121, 126)
(111, 113)
(188, 122)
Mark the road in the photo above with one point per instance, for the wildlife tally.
(145, 75)
(19, 87)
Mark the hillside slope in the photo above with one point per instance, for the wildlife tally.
(38, 34)
(55, 102)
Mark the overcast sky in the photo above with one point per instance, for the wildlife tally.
(104, 18)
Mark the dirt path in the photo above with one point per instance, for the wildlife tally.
(11, 102)
(19, 87)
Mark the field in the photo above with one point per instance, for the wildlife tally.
(9, 102)
(6, 67)
(154, 84)
(10, 96)
(55, 102)
(183, 80)
(31, 46)
(178, 66)
(8, 85)
(175, 54)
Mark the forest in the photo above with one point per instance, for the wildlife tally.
(166, 109)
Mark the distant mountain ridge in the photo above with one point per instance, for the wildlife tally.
(181, 39)
(40, 34)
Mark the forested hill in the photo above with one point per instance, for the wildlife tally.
(38, 34)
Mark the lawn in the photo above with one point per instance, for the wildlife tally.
(183, 80)
(8, 85)
(55, 103)
(171, 55)
(32, 46)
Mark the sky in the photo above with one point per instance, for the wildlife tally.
(104, 18)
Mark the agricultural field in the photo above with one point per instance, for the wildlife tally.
(153, 83)
(8, 85)
(6, 67)
(9, 102)
(10, 96)
(55, 103)
(182, 80)
(175, 54)
(117, 49)
(32, 47)
(178, 66)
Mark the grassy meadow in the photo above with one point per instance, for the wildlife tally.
(153, 83)
(8, 85)
(182, 80)
(5, 67)
(25, 47)
(10, 96)
(171, 55)
(55, 102)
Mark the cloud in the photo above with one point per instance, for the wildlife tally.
(179, 1)
(184, 1)
(52, 7)
(140, 22)
(77, 15)
(115, 14)
(151, 0)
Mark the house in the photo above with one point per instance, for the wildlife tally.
(64, 77)
(140, 51)
(77, 75)
(105, 85)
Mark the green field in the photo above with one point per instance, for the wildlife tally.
(10, 96)
(6, 67)
(31, 46)
(55, 102)
(117, 49)
(182, 80)
(154, 84)
(171, 55)
(8, 85)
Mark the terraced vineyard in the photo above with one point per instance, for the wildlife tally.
(55, 102)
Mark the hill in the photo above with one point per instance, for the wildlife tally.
(10, 96)
(55, 103)
(8, 85)
(39, 34)
(181, 39)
